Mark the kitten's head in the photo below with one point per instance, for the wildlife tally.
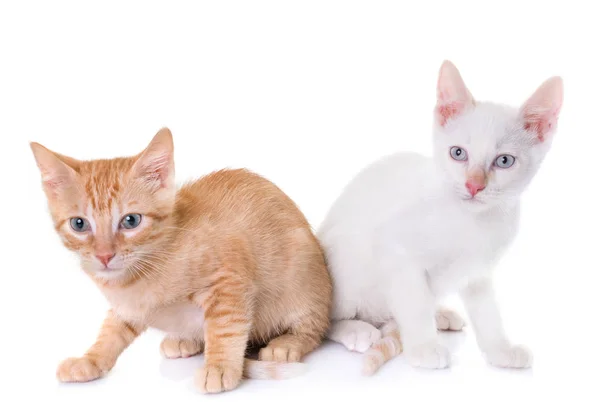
(488, 153)
(112, 213)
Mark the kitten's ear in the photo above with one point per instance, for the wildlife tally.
(453, 96)
(56, 170)
(540, 112)
(155, 164)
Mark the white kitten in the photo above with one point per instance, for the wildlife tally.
(409, 229)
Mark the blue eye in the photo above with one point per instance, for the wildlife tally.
(131, 221)
(79, 224)
(504, 161)
(458, 154)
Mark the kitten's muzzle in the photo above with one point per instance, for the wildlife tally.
(105, 258)
(476, 181)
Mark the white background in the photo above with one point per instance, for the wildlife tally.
(305, 93)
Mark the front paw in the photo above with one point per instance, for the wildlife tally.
(354, 335)
(279, 353)
(430, 355)
(515, 356)
(215, 378)
(80, 369)
(448, 320)
(180, 348)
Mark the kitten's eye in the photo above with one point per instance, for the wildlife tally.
(79, 224)
(458, 154)
(504, 161)
(131, 221)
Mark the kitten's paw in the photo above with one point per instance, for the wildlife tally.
(430, 356)
(279, 353)
(80, 369)
(217, 378)
(355, 335)
(516, 356)
(180, 348)
(447, 320)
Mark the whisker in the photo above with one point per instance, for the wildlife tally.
(153, 268)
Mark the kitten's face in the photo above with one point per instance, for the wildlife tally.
(112, 213)
(489, 153)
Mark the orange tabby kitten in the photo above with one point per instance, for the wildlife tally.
(222, 262)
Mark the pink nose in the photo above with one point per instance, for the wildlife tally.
(474, 187)
(105, 258)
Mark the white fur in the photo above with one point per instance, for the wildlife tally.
(90, 218)
(115, 217)
(355, 335)
(406, 231)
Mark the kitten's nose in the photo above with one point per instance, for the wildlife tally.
(474, 187)
(105, 258)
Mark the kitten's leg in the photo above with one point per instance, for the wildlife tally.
(173, 346)
(390, 345)
(413, 307)
(485, 317)
(448, 320)
(383, 350)
(115, 336)
(302, 338)
(356, 335)
(227, 324)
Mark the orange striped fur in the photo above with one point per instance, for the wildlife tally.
(224, 261)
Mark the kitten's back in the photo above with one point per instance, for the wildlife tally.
(378, 191)
(238, 197)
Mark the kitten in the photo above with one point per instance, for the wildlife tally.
(409, 229)
(224, 261)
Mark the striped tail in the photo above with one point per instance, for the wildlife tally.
(388, 347)
(255, 369)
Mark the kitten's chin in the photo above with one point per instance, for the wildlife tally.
(474, 204)
(480, 204)
(109, 274)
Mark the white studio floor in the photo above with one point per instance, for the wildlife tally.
(143, 382)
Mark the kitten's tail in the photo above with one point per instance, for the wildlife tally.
(388, 347)
(255, 369)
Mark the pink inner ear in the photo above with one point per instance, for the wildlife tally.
(157, 169)
(53, 181)
(540, 111)
(452, 94)
(541, 124)
(447, 111)
(160, 174)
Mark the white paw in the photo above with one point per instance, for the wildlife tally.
(355, 335)
(430, 356)
(447, 320)
(516, 356)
